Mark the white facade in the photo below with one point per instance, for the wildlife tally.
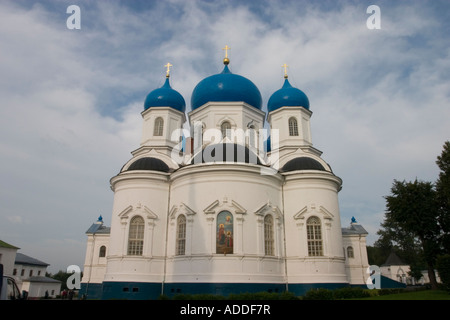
(394, 268)
(355, 251)
(95, 261)
(7, 257)
(40, 287)
(26, 271)
(203, 224)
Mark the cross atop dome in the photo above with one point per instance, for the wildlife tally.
(226, 60)
(285, 66)
(168, 65)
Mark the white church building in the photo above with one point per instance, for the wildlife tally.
(226, 206)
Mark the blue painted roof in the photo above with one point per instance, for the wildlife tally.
(287, 96)
(165, 97)
(98, 227)
(354, 229)
(226, 86)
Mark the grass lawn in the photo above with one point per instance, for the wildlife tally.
(414, 295)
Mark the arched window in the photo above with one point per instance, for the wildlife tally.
(224, 239)
(268, 236)
(225, 128)
(159, 127)
(102, 252)
(181, 236)
(293, 127)
(314, 235)
(136, 236)
(350, 253)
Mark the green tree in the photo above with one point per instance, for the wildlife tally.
(443, 195)
(411, 223)
(443, 267)
(376, 255)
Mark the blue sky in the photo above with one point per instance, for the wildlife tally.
(70, 100)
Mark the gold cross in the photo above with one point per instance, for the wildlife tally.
(226, 50)
(285, 70)
(168, 65)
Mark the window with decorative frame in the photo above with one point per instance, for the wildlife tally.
(350, 252)
(293, 127)
(136, 236)
(180, 249)
(225, 128)
(159, 127)
(102, 252)
(268, 236)
(314, 236)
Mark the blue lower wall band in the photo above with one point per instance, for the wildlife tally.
(151, 291)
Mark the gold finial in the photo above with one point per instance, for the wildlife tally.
(226, 60)
(168, 65)
(285, 70)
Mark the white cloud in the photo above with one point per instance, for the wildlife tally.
(15, 219)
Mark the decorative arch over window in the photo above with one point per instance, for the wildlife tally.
(225, 128)
(224, 233)
(159, 127)
(268, 236)
(314, 236)
(136, 236)
(350, 252)
(293, 127)
(102, 252)
(180, 249)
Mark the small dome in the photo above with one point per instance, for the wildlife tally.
(302, 163)
(287, 96)
(226, 86)
(149, 163)
(229, 152)
(165, 97)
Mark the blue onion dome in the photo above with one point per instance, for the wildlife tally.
(165, 97)
(226, 86)
(287, 96)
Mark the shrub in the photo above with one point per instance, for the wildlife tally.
(262, 296)
(350, 293)
(288, 296)
(318, 294)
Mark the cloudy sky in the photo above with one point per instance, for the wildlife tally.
(70, 100)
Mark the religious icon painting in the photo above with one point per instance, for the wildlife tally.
(224, 234)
